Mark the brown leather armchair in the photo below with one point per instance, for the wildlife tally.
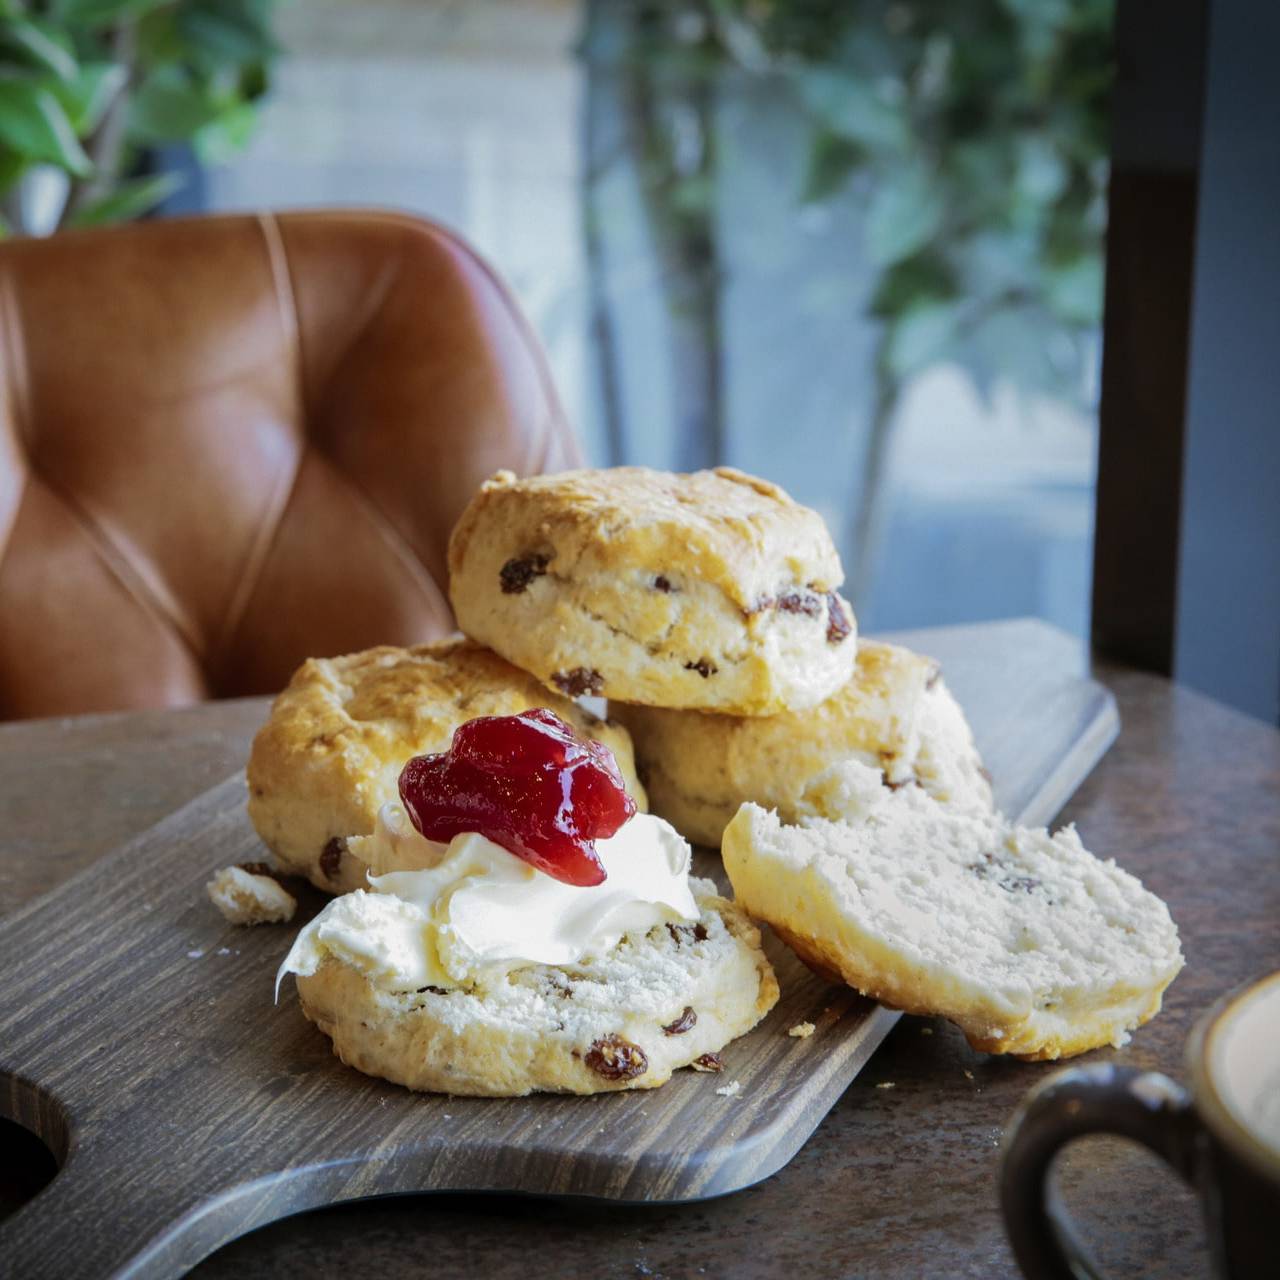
(230, 443)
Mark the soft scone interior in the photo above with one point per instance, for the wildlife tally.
(622, 1020)
(1027, 941)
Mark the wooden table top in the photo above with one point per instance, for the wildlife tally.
(896, 1181)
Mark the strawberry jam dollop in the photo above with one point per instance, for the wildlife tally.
(526, 782)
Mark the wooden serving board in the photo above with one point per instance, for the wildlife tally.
(138, 1039)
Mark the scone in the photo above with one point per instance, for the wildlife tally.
(626, 1020)
(711, 590)
(896, 714)
(1029, 943)
(331, 752)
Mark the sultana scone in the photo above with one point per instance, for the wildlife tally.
(711, 590)
(331, 752)
(895, 714)
(1025, 940)
(670, 998)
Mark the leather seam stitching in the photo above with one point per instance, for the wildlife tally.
(119, 563)
(395, 541)
(282, 494)
(19, 397)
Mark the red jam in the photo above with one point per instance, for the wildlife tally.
(526, 782)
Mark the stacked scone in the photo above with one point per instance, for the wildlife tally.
(859, 819)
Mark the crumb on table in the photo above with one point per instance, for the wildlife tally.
(886, 1084)
(802, 1030)
(730, 1090)
(246, 897)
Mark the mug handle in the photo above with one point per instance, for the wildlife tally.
(1143, 1105)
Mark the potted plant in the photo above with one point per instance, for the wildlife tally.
(92, 92)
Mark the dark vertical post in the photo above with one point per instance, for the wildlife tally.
(1156, 112)
(1228, 617)
(1187, 544)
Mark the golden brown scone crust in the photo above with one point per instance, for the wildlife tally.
(710, 590)
(331, 752)
(1034, 1042)
(894, 714)
(559, 1028)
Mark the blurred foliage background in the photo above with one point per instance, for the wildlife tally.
(853, 245)
(90, 88)
(970, 139)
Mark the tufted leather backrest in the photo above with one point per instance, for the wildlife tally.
(227, 444)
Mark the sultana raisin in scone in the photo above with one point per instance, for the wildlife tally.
(711, 590)
(1025, 940)
(895, 714)
(330, 754)
(624, 1020)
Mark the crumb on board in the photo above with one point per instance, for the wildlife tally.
(802, 1030)
(245, 897)
(730, 1090)
(926, 1031)
(968, 1075)
(886, 1084)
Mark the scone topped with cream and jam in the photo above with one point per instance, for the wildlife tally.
(712, 590)
(528, 931)
(330, 753)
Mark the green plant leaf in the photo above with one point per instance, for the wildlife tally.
(170, 106)
(129, 200)
(33, 123)
(912, 282)
(847, 106)
(40, 44)
(832, 160)
(904, 213)
(220, 140)
(1016, 340)
(1074, 290)
(100, 13)
(220, 33)
(919, 337)
(1042, 173)
(87, 95)
(158, 38)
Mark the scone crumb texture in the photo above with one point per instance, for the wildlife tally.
(1027, 941)
(802, 1030)
(248, 897)
(730, 1090)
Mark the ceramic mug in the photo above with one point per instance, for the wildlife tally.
(1223, 1138)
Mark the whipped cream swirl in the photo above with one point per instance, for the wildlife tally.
(450, 913)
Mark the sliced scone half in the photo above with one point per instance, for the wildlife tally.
(625, 1019)
(1029, 943)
